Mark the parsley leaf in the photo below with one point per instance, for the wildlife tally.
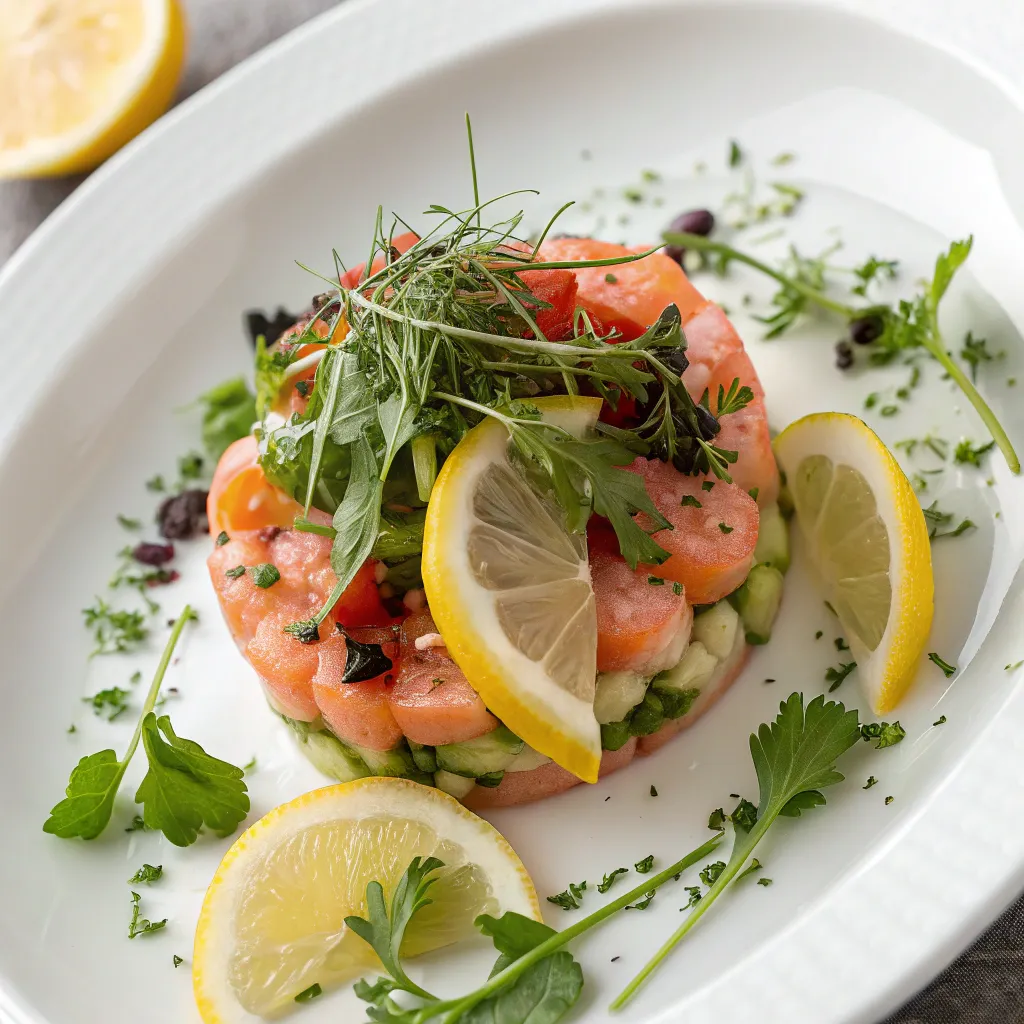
(384, 930)
(888, 734)
(88, 804)
(265, 575)
(947, 669)
(710, 872)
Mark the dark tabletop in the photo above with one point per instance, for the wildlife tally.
(985, 984)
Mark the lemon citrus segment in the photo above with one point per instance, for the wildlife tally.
(272, 923)
(868, 539)
(509, 588)
(80, 78)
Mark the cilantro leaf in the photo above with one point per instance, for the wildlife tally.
(186, 788)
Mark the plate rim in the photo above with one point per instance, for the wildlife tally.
(895, 960)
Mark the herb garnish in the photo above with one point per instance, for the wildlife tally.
(308, 994)
(947, 669)
(113, 699)
(894, 331)
(835, 676)
(114, 629)
(887, 734)
(183, 789)
(609, 879)
(642, 867)
(148, 874)
(140, 925)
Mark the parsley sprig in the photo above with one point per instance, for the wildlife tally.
(184, 787)
(910, 324)
(794, 758)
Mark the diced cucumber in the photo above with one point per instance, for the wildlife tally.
(648, 717)
(694, 671)
(614, 735)
(773, 539)
(453, 785)
(396, 762)
(716, 629)
(527, 761)
(329, 754)
(491, 780)
(423, 757)
(492, 752)
(758, 602)
(617, 694)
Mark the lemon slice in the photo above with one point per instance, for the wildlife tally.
(79, 78)
(272, 924)
(509, 588)
(869, 542)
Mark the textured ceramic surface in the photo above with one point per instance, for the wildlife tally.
(133, 293)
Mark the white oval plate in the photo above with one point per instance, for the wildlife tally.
(125, 305)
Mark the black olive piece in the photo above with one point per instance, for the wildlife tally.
(844, 355)
(693, 222)
(866, 329)
(183, 515)
(707, 422)
(153, 554)
(363, 661)
(257, 323)
(676, 360)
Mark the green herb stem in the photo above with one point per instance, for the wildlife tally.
(749, 841)
(455, 1008)
(304, 525)
(702, 244)
(158, 678)
(937, 348)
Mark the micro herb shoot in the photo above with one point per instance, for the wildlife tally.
(113, 700)
(888, 734)
(183, 789)
(892, 331)
(947, 669)
(148, 874)
(794, 758)
(534, 979)
(138, 925)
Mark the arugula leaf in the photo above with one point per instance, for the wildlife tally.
(186, 788)
(794, 757)
(229, 411)
(357, 520)
(540, 995)
(384, 931)
(398, 421)
(323, 424)
(355, 411)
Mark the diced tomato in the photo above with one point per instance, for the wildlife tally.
(403, 243)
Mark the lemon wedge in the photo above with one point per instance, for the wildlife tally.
(80, 78)
(868, 540)
(272, 924)
(509, 588)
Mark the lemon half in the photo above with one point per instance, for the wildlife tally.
(509, 588)
(272, 924)
(868, 539)
(80, 78)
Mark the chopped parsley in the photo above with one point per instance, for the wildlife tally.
(265, 575)
(609, 879)
(113, 699)
(222, 538)
(655, 581)
(710, 872)
(689, 499)
(707, 485)
(190, 466)
(735, 153)
(947, 669)
(309, 994)
(236, 572)
(140, 925)
(156, 484)
(754, 865)
(941, 720)
(128, 523)
(645, 865)
(888, 735)
(724, 528)
(644, 903)
(888, 800)
(148, 874)
(716, 820)
(611, 279)
(872, 781)
(177, 960)
(138, 825)
(744, 816)
(695, 895)
(114, 629)
(765, 881)
(966, 454)
(571, 898)
(654, 790)
(841, 644)
(677, 589)
(835, 676)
